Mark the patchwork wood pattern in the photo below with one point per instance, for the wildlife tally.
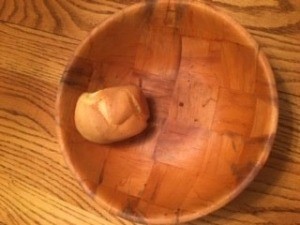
(213, 105)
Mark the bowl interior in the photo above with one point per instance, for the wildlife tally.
(213, 108)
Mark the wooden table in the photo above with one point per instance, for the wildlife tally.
(38, 37)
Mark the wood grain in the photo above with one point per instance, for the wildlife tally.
(219, 121)
(34, 32)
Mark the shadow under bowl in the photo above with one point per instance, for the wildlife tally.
(213, 104)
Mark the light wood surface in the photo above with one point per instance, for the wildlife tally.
(37, 38)
(213, 105)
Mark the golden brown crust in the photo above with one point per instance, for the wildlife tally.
(111, 114)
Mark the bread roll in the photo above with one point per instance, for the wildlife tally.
(111, 114)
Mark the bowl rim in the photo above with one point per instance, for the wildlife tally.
(233, 193)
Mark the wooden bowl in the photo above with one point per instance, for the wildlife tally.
(213, 104)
